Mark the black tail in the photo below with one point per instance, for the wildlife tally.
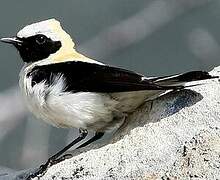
(181, 79)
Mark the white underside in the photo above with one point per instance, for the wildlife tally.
(97, 111)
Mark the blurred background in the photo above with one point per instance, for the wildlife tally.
(153, 37)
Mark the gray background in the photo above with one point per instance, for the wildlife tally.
(153, 37)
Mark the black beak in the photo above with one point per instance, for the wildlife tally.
(12, 40)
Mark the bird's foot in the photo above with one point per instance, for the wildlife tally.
(40, 171)
(44, 167)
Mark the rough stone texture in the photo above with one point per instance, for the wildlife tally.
(178, 138)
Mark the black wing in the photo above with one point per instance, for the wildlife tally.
(91, 77)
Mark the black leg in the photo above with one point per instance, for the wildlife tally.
(151, 105)
(56, 158)
(97, 136)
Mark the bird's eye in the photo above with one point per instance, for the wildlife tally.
(41, 39)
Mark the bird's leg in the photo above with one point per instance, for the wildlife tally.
(151, 104)
(97, 136)
(56, 158)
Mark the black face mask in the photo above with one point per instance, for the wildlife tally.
(34, 48)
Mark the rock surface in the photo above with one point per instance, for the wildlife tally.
(176, 136)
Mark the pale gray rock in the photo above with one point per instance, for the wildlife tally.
(176, 136)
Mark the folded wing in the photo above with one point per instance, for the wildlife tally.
(91, 77)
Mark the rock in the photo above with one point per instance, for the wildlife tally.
(177, 136)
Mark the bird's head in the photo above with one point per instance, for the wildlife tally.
(43, 40)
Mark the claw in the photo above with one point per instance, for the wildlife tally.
(41, 171)
(67, 156)
(62, 158)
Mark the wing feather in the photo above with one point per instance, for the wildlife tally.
(91, 77)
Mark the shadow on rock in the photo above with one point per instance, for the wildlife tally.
(172, 103)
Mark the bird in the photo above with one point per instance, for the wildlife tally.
(68, 89)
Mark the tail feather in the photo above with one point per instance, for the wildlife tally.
(182, 79)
